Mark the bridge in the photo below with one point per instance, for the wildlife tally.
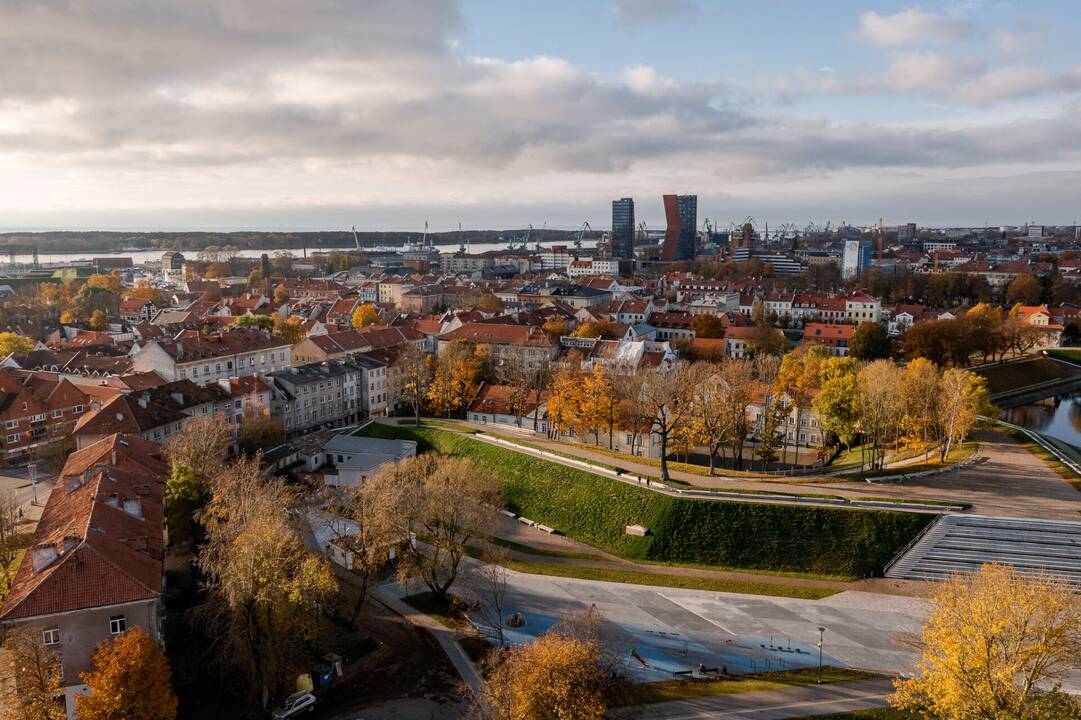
(1020, 382)
(15, 250)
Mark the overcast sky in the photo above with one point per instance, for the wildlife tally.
(321, 114)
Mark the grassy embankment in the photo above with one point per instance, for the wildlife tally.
(668, 691)
(819, 541)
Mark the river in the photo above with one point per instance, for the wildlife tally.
(1058, 417)
(138, 257)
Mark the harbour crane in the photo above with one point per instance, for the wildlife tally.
(540, 236)
(578, 237)
(355, 238)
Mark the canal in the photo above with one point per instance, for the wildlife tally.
(1059, 417)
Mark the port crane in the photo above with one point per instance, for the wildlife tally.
(578, 236)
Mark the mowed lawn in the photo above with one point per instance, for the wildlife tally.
(822, 541)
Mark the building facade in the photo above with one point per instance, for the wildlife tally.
(681, 214)
(623, 228)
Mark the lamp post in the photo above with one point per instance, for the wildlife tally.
(821, 635)
(33, 468)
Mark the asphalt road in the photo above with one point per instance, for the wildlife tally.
(785, 704)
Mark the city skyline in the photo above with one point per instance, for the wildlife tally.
(204, 116)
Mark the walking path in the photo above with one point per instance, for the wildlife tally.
(1004, 480)
(798, 702)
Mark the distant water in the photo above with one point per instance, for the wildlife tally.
(142, 256)
(1058, 417)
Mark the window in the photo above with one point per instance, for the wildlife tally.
(117, 624)
(51, 636)
(11, 424)
(58, 413)
(13, 438)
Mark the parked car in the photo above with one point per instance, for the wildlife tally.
(294, 705)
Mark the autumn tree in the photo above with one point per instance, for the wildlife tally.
(600, 404)
(799, 377)
(668, 398)
(265, 588)
(446, 501)
(920, 392)
(836, 404)
(414, 372)
(290, 329)
(30, 673)
(489, 303)
(98, 320)
(129, 679)
(710, 418)
(737, 393)
(707, 326)
(142, 290)
(10, 544)
(995, 645)
(365, 315)
(558, 676)
(281, 295)
(1025, 289)
(487, 582)
(369, 535)
(459, 371)
(14, 343)
(870, 341)
(258, 431)
(262, 322)
(605, 329)
(878, 400)
(557, 326)
(202, 444)
(962, 398)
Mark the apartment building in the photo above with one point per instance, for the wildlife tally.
(206, 359)
(324, 395)
(37, 410)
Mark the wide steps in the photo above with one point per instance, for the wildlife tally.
(962, 543)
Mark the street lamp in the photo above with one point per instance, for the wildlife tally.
(33, 468)
(821, 634)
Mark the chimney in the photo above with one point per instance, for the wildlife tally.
(41, 556)
(143, 401)
(120, 417)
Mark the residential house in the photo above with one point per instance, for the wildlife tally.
(94, 568)
(835, 337)
(205, 359)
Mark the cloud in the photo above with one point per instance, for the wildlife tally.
(910, 27)
(633, 12)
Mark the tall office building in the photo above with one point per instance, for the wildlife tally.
(681, 213)
(857, 258)
(623, 228)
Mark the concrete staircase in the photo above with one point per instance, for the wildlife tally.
(961, 543)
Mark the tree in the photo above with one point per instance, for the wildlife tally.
(600, 403)
(32, 677)
(737, 392)
(992, 647)
(263, 322)
(797, 377)
(836, 401)
(13, 343)
(370, 536)
(765, 339)
(9, 538)
(185, 494)
(265, 270)
(708, 326)
(365, 315)
(878, 397)
(446, 501)
(289, 329)
(556, 677)
(983, 328)
(459, 371)
(265, 588)
(1024, 289)
(129, 679)
(487, 582)
(556, 326)
(415, 374)
(597, 329)
(489, 303)
(920, 391)
(566, 401)
(669, 399)
(98, 320)
(870, 341)
(281, 295)
(258, 431)
(202, 444)
(962, 399)
(142, 290)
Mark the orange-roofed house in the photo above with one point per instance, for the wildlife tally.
(836, 338)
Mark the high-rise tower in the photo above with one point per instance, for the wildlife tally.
(623, 228)
(681, 213)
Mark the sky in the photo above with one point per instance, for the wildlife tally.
(386, 114)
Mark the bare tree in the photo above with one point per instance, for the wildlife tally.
(735, 395)
(415, 374)
(202, 444)
(9, 531)
(669, 398)
(488, 583)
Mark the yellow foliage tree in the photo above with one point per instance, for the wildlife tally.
(98, 321)
(992, 645)
(32, 673)
(556, 677)
(365, 315)
(595, 329)
(289, 329)
(129, 679)
(599, 409)
(458, 374)
(14, 343)
(565, 401)
(281, 295)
